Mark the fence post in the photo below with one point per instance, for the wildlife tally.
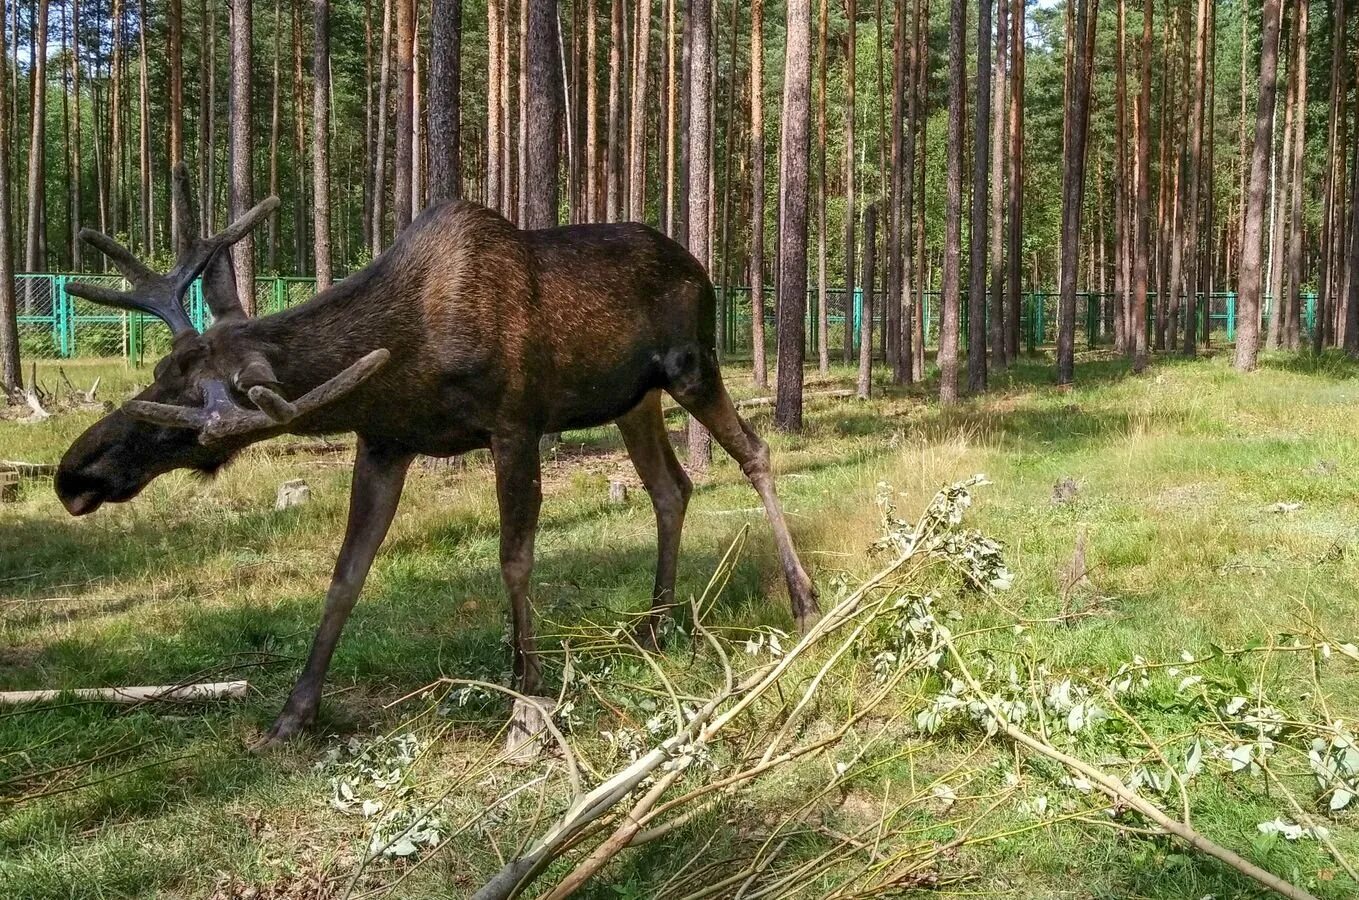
(1311, 312)
(62, 320)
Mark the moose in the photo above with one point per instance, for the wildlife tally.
(467, 333)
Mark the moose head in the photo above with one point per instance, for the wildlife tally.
(215, 392)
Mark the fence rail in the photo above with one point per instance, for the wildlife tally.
(54, 324)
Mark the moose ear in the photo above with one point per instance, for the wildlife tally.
(256, 372)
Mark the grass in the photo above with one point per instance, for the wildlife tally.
(1177, 473)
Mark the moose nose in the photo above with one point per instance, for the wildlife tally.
(82, 504)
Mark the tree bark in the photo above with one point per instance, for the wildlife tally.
(37, 146)
(1282, 166)
(1137, 326)
(1249, 281)
(865, 384)
(613, 174)
(592, 112)
(1016, 200)
(851, 200)
(275, 123)
(175, 15)
(144, 146)
(320, 141)
(542, 116)
(11, 372)
(1292, 312)
(996, 310)
(953, 226)
(300, 216)
(823, 318)
(1330, 259)
(445, 100)
(1073, 188)
(405, 114)
(699, 87)
(896, 204)
(637, 119)
(757, 189)
(793, 196)
(1195, 178)
(494, 125)
(242, 172)
(981, 164)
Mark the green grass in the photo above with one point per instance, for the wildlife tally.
(1177, 473)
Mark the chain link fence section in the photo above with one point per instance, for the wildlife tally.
(54, 324)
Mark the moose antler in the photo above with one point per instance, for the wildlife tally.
(162, 295)
(220, 417)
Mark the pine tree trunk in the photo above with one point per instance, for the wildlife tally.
(1120, 182)
(542, 115)
(495, 126)
(1297, 174)
(445, 100)
(242, 180)
(981, 164)
(951, 302)
(637, 117)
(1321, 333)
(757, 192)
(207, 112)
(865, 384)
(699, 88)
(405, 114)
(823, 319)
(1194, 178)
(896, 204)
(996, 310)
(794, 153)
(417, 120)
(729, 127)
(11, 372)
(320, 141)
(300, 216)
(592, 112)
(1073, 187)
(1249, 281)
(176, 51)
(37, 147)
(613, 171)
(1283, 167)
(275, 123)
(77, 206)
(144, 146)
(1016, 200)
(369, 131)
(1137, 325)
(907, 317)
(851, 200)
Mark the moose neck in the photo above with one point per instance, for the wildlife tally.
(309, 343)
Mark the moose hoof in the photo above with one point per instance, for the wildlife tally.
(647, 633)
(285, 729)
(527, 730)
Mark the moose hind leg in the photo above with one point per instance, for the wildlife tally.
(519, 490)
(696, 383)
(669, 486)
(379, 475)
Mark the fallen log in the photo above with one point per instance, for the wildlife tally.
(174, 693)
(28, 469)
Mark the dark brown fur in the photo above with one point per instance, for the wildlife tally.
(497, 336)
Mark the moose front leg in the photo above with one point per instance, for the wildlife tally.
(519, 489)
(379, 475)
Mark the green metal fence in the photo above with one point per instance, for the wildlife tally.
(54, 324)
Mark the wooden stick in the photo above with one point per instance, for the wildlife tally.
(28, 469)
(185, 693)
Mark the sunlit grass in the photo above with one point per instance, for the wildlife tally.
(1178, 472)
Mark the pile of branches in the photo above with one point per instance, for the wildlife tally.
(37, 402)
(638, 747)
